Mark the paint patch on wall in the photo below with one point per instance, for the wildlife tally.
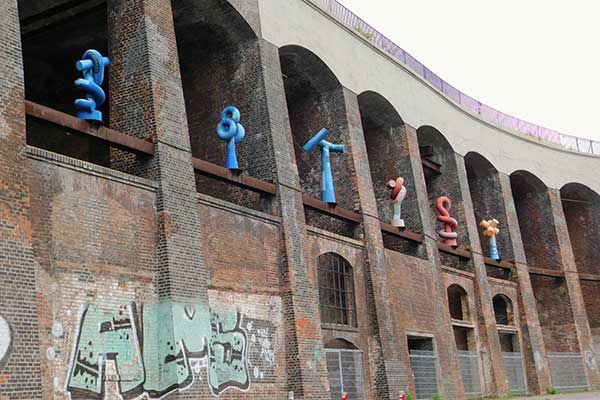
(5, 341)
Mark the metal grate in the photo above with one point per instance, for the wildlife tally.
(336, 290)
(568, 371)
(423, 365)
(345, 370)
(515, 373)
(469, 367)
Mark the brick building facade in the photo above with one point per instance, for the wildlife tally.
(132, 264)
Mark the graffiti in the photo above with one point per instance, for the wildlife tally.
(261, 353)
(539, 361)
(173, 344)
(590, 360)
(5, 340)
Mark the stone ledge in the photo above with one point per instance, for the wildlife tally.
(35, 153)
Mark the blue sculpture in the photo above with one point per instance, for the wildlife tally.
(92, 66)
(230, 130)
(327, 192)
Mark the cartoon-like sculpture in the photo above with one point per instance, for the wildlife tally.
(448, 234)
(92, 65)
(490, 229)
(327, 190)
(230, 130)
(398, 194)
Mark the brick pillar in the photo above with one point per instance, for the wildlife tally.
(536, 360)
(493, 362)
(451, 386)
(300, 298)
(146, 100)
(569, 267)
(20, 375)
(388, 356)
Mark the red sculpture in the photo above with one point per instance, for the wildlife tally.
(449, 234)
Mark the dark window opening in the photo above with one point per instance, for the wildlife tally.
(458, 303)
(336, 290)
(508, 342)
(503, 310)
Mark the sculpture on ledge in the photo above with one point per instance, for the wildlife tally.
(230, 130)
(327, 190)
(398, 195)
(448, 234)
(92, 65)
(490, 229)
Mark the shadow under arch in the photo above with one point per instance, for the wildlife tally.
(581, 206)
(488, 203)
(315, 100)
(387, 152)
(458, 302)
(536, 221)
(435, 147)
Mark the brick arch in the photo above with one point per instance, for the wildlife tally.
(337, 293)
(315, 100)
(503, 309)
(458, 302)
(488, 201)
(387, 152)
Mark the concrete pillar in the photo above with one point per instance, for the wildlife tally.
(569, 268)
(488, 331)
(300, 297)
(536, 360)
(20, 375)
(451, 385)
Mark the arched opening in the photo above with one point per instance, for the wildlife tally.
(315, 100)
(441, 178)
(458, 303)
(538, 234)
(535, 220)
(385, 140)
(488, 203)
(53, 38)
(503, 310)
(345, 369)
(581, 206)
(220, 62)
(336, 290)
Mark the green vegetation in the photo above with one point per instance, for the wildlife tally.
(551, 390)
(363, 33)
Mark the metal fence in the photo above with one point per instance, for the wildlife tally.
(515, 373)
(352, 21)
(423, 365)
(568, 371)
(471, 376)
(345, 370)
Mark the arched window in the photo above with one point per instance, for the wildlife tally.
(503, 310)
(458, 303)
(336, 290)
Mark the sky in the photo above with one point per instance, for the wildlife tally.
(538, 60)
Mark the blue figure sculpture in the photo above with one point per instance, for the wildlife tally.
(230, 130)
(92, 66)
(327, 191)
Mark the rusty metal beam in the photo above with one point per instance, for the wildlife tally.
(459, 251)
(499, 264)
(331, 209)
(404, 234)
(546, 272)
(225, 175)
(589, 277)
(432, 166)
(112, 137)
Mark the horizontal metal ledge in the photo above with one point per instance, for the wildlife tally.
(114, 138)
(546, 272)
(331, 209)
(459, 252)
(225, 175)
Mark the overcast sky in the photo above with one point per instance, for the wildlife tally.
(538, 60)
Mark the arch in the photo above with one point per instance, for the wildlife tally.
(377, 111)
(340, 343)
(536, 220)
(488, 202)
(581, 206)
(315, 100)
(336, 290)
(503, 309)
(431, 136)
(219, 58)
(458, 302)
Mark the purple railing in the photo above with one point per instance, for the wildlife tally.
(352, 21)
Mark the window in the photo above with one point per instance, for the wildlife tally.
(503, 310)
(336, 290)
(457, 303)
